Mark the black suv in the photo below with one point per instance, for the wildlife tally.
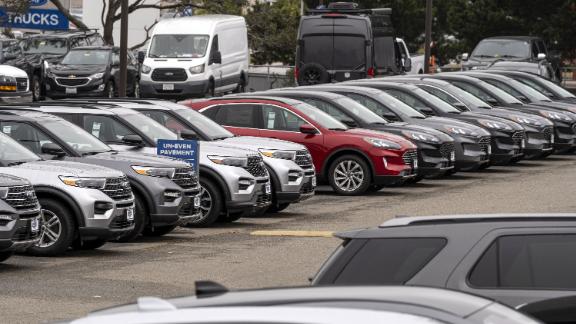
(51, 48)
(90, 72)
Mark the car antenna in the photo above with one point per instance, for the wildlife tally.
(207, 288)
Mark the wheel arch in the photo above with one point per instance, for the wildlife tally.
(215, 177)
(55, 194)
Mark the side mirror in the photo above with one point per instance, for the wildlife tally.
(216, 58)
(52, 149)
(427, 111)
(407, 64)
(465, 56)
(141, 56)
(492, 101)
(188, 134)
(460, 106)
(133, 140)
(541, 56)
(308, 129)
(349, 122)
(390, 117)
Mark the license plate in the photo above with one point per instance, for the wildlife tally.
(415, 164)
(35, 225)
(489, 149)
(71, 91)
(314, 182)
(552, 139)
(452, 156)
(268, 189)
(167, 86)
(347, 75)
(197, 201)
(523, 144)
(130, 214)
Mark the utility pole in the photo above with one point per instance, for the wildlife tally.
(428, 36)
(123, 49)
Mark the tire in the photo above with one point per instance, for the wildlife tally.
(36, 88)
(349, 175)
(211, 203)
(136, 92)
(313, 73)
(88, 245)
(276, 208)
(210, 91)
(375, 188)
(158, 230)
(59, 229)
(5, 256)
(140, 220)
(232, 217)
(110, 90)
(241, 87)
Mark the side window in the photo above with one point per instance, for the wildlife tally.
(276, 118)
(25, 134)
(236, 115)
(407, 99)
(542, 47)
(528, 261)
(475, 91)
(115, 58)
(440, 94)
(215, 47)
(508, 89)
(165, 120)
(106, 128)
(390, 261)
(373, 105)
(327, 108)
(535, 49)
(77, 42)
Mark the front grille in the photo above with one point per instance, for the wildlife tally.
(72, 82)
(548, 132)
(573, 128)
(176, 75)
(256, 166)
(409, 157)
(120, 222)
(187, 209)
(22, 198)
(22, 84)
(185, 178)
(24, 233)
(263, 199)
(484, 144)
(307, 188)
(446, 150)
(518, 138)
(304, 160)
(118, 188)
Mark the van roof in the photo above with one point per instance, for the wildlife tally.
(200, 25)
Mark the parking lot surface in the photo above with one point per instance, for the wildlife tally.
(266, 251)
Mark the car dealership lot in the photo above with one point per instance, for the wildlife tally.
(40, 289)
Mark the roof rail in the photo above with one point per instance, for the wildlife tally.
(33, 105)
(475, 218)
(111, 100)
(207, 288)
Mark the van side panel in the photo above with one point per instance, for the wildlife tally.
(233, 43)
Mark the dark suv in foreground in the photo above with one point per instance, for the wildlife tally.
(513, 258)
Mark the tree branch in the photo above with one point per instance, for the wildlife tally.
(103, 12)
(68, 15)
(147, 30)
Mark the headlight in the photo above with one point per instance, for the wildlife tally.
(278, 154)
(92, 183)
(155, 172)
(3, 192)
(460, 131)
(526, 121)
(421, 137)
(197, 69)
(145, 69)
(382, 143)
(229, 160)
(7, 83)
(494, 125)
(97, 76)
(556, 116)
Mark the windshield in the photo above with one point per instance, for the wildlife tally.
(529, 91)
(503, 96)
(149, 127)
(76, 137)
(556, 88)
(86, 57)
(467, 97)
(11, 152)
(178, 46)
(46, 46)
(361, 112)
(204, 124)
(437, 102)
(317, 115)
(502, 48)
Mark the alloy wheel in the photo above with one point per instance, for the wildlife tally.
(205, 202)
(348, 175)
(51, 229)
(312, 77)
(36, 91)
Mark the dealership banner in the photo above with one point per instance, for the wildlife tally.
(180, 149)
(45, 19)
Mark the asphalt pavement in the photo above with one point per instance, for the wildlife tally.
(285, 249)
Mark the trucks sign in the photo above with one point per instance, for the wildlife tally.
(180, 149)
(45, 19)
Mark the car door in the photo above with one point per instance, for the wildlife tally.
(519, 265)
(27, 135)
(240, 119)
(215, 67)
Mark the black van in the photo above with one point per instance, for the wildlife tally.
(343, 43)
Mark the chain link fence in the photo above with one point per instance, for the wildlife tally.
(265, 77)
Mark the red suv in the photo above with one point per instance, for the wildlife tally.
(352, 161)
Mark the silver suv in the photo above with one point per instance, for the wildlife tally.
(20, 220)
(166, 190)
(83, 205)
(233, 181)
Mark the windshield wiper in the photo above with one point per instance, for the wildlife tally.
(380, 123)
(337, 129)
(16, 163)
(484, 56)
(91, 153)
(509, 56)
(220, 138)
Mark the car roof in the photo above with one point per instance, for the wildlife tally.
(391, 83)
(96, 48)
(454, 302)
(350, 88)
(62, 34)
(201, 25)
(260, 96)
(59, 108)
(526, 38)
(317, 94)
(476, 218)
(457, 76)
(27, 115)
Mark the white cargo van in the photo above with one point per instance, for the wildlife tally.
(196, 56)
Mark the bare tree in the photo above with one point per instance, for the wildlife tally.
(14, 5)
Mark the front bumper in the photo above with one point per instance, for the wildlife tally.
(472, 153)
(15, 97)
(260, 198)
(435, 160)
(26, 234)
(539, 143)
(110, 225)
(180, 90)
(565, 137)
(94, 88)
(507, 147)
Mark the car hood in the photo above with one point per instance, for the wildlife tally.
(7, 180)
(77, 69)
(66, 168)
(398, 127)
(255, 143)
(440, 123)
(141, 159)
(556, 105)
(38, 58)
(214, 148)
(512, 114)
(475, 117)
(12, 71)
(381, 135)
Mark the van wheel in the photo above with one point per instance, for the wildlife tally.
(313, 73)
(241, 87)
(88, 244)
(36, 88)
(211, 203)
(58, 229)
(140, 220)
(110, 90)
(210, 91)
(349, 175)
(158, 230)
(5, 256)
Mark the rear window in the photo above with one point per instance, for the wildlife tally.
(349, 52)
(390, 261)
(318, 49)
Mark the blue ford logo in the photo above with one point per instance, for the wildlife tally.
(37, 3)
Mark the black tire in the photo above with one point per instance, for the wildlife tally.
(158, 230)
(5, 256)
(210, 90)
(232, 217)
(355, 182)
(110, 89)
(211, 204)
(376, 188)
(89, 244)
(276, 208)
(141, 220)
(36, 88)
(313, 73)
(416, 179)
(67, 233)
(241, 87)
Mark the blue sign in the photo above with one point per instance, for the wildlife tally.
(180, 149)
(46, 19)
(37, 3)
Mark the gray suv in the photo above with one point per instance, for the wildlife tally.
(233, 181)
(20, 220)
(83, 205)
(166, 190)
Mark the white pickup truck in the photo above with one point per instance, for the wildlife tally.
(417, 61)
(14, 85)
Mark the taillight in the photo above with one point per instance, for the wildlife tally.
(296, 72)
(370, 73)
